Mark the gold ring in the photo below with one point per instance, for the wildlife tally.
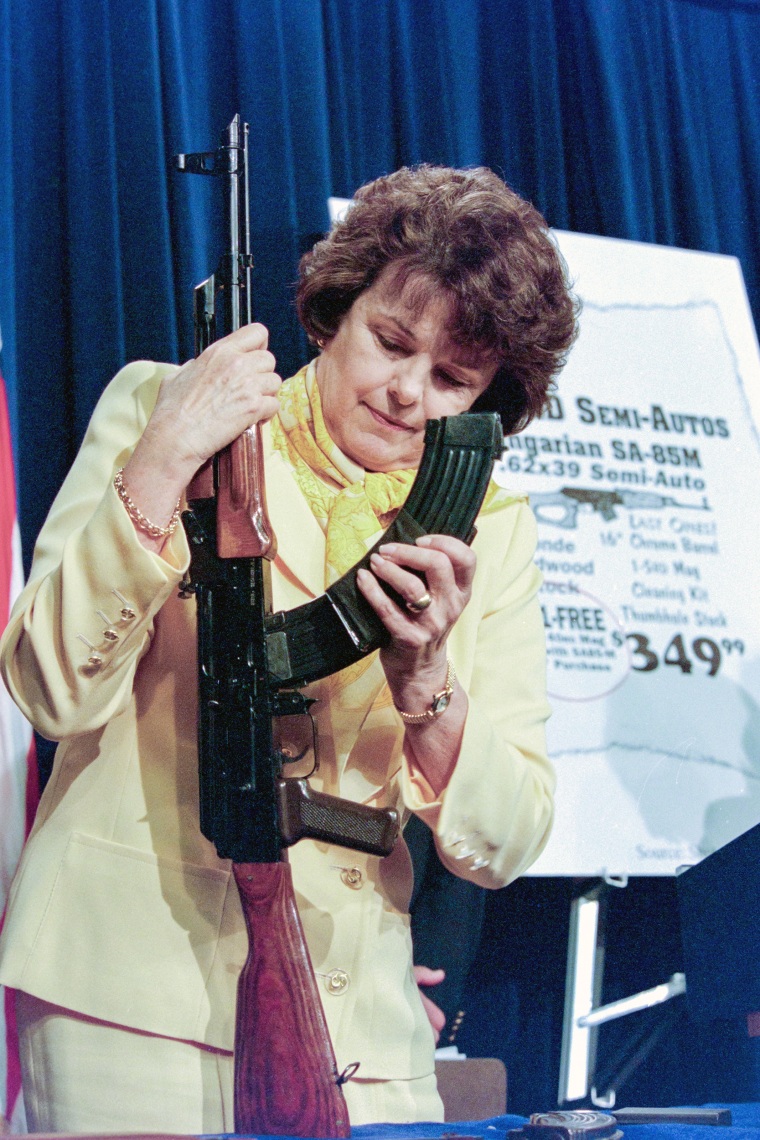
(421, 603)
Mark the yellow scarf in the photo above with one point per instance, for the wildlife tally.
(351, 505)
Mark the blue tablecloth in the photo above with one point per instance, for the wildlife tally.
(745, 1125)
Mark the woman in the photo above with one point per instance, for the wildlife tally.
(440, 292)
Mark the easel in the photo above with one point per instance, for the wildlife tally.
(720, 928)
(583, 1015)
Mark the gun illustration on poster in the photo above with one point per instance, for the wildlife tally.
(570, 499)
(644, 477)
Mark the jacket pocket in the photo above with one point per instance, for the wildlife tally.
(140, 941)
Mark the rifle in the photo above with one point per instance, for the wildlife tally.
(251, 665)
(560, 508)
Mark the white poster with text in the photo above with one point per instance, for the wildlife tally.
(644, 476)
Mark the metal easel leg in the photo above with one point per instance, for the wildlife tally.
(584, 1015)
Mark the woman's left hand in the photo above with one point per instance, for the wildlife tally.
(424, 976)
(439, 566)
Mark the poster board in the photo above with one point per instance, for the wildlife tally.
(645, 478)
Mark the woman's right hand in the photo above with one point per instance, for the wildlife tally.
(213, 399)
(199, 410)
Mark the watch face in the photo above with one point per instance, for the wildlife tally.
(441, 703)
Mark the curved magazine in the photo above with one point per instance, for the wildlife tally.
(340, 627)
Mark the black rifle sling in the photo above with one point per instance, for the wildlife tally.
(340, 627)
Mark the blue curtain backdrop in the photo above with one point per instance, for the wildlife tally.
(631, 118)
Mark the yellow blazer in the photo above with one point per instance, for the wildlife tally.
(121, 909)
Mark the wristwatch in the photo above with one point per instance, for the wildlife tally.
(439, 703)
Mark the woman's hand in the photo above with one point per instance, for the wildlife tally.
(438, 566)
(415, 662)
(424, 976)
(199, 410)
(213, 399)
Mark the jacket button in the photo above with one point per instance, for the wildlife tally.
(94, 661)
(352, 877)
(337, 981)
(127, 610)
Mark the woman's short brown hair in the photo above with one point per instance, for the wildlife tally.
(467, 233)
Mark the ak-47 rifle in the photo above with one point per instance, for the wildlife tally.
(251, 664)
(560, 508)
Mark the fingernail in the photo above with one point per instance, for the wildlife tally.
(387, 548)
(423, 540)
(376, 558)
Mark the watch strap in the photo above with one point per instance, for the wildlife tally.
(439, 703)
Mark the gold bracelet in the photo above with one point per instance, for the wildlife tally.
(439, 703)
(136, 515)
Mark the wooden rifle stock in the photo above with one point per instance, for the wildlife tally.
(277, 1081)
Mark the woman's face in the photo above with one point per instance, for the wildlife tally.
(388, 369)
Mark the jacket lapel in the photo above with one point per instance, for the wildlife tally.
(362, 734)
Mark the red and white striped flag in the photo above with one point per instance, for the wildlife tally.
(18, 768)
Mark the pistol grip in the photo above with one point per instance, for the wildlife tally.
(306, 814)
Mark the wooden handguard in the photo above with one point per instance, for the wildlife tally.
(235, 477)
(286, 1077)
(243, 529)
